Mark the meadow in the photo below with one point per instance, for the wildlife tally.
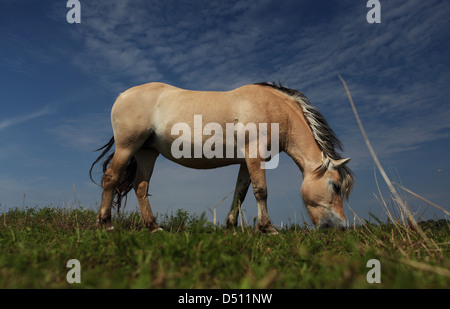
(192, 253)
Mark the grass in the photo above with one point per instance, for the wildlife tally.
(36, 243)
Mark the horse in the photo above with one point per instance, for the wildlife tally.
(145, 119)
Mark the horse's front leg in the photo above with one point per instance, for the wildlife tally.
(258, 178)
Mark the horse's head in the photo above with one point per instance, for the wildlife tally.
(323, 192)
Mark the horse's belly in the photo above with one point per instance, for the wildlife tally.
(199, 154)
(203, 163)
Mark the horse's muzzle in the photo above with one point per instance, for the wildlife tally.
(332, 222)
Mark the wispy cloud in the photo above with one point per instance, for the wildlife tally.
(6, 123)
(193, 44)
(85, 133)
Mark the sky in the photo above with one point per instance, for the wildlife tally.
(59, 80)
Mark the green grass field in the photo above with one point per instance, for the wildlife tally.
(36, 243)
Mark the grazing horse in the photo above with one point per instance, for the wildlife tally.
(147, 120)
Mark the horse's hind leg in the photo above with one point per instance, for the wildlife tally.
(110, 178)
(242, 184)
(145, 159)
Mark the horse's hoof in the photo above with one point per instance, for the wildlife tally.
(157, 230)
(105, 224)
(269, 230)
(272, 232)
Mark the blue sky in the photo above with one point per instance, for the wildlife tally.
(59, 81)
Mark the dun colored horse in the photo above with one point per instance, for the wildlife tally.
(147, 121)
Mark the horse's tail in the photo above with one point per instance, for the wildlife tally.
(125, 182)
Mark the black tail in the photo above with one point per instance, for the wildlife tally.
(125, 182)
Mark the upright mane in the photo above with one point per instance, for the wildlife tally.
(325, 137)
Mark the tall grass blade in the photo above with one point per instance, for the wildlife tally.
(392, 189)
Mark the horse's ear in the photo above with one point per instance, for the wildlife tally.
(340, 162)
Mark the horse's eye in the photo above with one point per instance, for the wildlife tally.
(337, 188)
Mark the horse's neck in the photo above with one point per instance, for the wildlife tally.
(301, 145)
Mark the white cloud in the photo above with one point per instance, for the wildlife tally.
(6, 123)
(85, 133)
